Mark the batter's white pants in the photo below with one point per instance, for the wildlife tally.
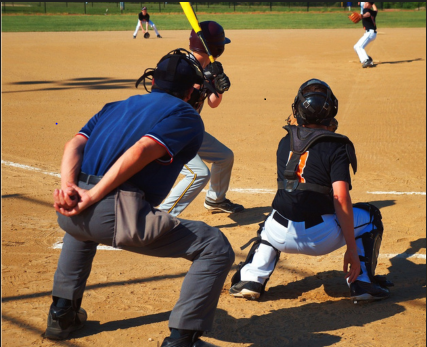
(319, 240)
(150, 23)
(197, 176)
(359, 47)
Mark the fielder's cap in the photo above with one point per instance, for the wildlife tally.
(144, 8)
(177, 73)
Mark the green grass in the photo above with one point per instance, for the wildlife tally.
(296, 20)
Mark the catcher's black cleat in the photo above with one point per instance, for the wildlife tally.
(363, 291)
(62, 321)
(247, 290)
(225, 206)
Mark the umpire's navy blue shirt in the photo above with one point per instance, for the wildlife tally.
(169, 121)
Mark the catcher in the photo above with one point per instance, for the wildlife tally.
(368, 18)
(312, 211)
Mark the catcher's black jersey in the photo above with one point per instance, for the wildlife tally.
(370, 23)
(325, 162)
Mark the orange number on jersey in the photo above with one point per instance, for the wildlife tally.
(301, 166)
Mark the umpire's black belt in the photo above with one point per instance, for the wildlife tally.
(308, 223)
(89, 179)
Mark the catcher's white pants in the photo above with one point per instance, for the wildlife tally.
(359, 47)
(150, 23)
(319, 240)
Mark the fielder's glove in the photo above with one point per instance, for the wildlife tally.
(355, 17)
(147, 35)
(213, 69)
(222, 83)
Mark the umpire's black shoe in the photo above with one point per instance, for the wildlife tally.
(363, 291)
(62, 321)
(225, 206)
(185, 338)
(246, 289)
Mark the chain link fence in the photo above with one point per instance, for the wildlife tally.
(105, 8)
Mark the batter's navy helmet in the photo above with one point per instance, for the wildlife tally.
(315, 103)
(215, 39)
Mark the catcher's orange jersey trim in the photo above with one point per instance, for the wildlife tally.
(301, 166)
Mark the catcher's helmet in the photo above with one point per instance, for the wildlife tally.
(315, 103)
(215, 39)
(177, 71)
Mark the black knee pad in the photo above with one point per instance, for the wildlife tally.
(257, 241)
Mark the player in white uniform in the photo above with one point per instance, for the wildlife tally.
(312, 211)
(369, 16)
(144, 17)
(197, 174)
(362, 4)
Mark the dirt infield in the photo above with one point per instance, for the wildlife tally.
(52, 83)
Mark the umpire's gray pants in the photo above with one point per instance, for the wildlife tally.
(158, 234)
(197, 176)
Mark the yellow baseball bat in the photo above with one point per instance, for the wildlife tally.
(192, 18)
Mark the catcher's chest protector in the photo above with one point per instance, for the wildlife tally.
(301, 140)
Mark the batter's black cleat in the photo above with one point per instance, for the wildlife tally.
(363, 291)
(225, 206)
(246, 289)
(183, 338)
(62, 321)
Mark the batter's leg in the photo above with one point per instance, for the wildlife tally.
(197, 176)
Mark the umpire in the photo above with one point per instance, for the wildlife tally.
(123, 162)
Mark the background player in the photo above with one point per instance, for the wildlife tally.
(312, 211)
(125, 160)
(369, 16)
(144, 17)
(196, 172)
(361, 4)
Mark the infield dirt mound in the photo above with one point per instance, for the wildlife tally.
(52, 83)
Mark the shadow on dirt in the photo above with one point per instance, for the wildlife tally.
(89, 83)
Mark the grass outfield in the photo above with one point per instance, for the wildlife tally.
(310, 20)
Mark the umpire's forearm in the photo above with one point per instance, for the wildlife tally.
(72, 160)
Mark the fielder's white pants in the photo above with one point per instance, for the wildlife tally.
(197, 176)
(152, 25)
(359, 47)
(319, 240)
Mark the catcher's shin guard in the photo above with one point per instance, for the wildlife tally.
(372, 242)
(257, 241)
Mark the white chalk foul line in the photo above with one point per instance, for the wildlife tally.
(58, 245)
(30, 168)
(237, 190)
